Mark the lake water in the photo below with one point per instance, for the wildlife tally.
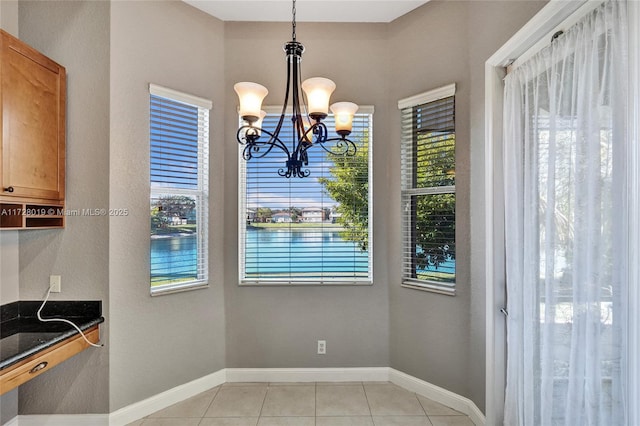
(303, 253)
(272, 253)
(269, 253)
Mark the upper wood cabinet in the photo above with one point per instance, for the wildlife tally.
(32, 107)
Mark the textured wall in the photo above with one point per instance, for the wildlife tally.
(9, 285)
(505, 19)
(9, 16)
(75, 34)
(160, 342)
(279, 326)
(441, 339)
(429, 331)
(9, 267)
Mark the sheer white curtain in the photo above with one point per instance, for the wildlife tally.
(565, 198)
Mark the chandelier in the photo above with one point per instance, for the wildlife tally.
(308, 128)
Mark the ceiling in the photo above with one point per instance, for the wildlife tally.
(307, 10)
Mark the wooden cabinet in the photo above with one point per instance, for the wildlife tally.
(43, 361)
(32, 149)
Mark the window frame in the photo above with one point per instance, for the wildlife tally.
(201, 194)
(408, 190)
(242, 208)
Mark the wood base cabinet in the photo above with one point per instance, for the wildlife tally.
(32, 149)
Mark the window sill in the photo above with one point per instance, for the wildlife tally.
(304, 284)
(178, 288)
(431, 288)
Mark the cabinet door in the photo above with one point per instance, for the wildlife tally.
(32, 91)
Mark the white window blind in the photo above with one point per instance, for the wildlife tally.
(428, 191)
(179, 159)
(313, 230)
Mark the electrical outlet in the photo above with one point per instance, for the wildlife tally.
(55, 283)
(322, 347)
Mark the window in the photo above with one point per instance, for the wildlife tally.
(179, 154)
(314, 230)
(428, 190)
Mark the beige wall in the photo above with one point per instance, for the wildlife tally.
(9, 16)
(75, 34)
(279, 326)
(429, 331)
(160, 342)
(441, 339)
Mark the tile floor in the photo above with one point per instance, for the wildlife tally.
(307, 404)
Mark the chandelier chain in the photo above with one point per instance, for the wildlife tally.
(293, 22)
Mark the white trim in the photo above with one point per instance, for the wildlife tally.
(545, 41)
(165, 399)
(429, 96)
(633, 11)
(548, 18)
(429, 286)
(438, 394)
(63, 420)
(186, 98)
(12, 422)
(363, 111)
(364, 374)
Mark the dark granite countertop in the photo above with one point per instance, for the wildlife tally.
(23, 335)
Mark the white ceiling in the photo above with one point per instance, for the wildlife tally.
(307, 10)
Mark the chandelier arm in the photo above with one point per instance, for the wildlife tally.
(345, 146)
(276, 133)
(319, 129)
(302, 138)
(256, 144)
(297, 117)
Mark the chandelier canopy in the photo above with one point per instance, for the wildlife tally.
(308, 128)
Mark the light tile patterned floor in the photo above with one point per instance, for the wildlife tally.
(307, 404)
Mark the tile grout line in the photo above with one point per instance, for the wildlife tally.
(263, 401)
(210, 403)
(364, 389)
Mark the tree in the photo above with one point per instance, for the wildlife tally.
(349, 187)
(296, 213)
(170, 206)
(433, 221)
(434, 237)
(263, 214)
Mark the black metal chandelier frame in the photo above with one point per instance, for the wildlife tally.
(257, 146)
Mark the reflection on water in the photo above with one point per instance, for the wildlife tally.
(173, 259)
(302, 253)
(268, 253)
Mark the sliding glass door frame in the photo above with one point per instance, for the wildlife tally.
(551, 18)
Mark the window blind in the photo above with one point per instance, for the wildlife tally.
(179, 137)
(313, 230)
(428, 194)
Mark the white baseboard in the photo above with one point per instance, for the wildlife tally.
(63, 420)
(371, 374)
(12, 422)
(162, 400)
(438, 394)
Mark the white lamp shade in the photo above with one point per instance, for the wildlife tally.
(318, 91)
(343, 114)
(251, 96)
